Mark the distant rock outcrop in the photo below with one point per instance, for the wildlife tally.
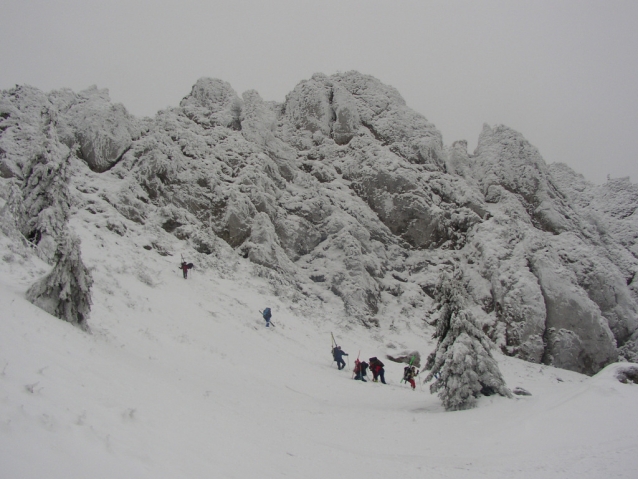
(102, 131)
(347, 193)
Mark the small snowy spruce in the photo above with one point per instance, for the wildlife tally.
(462, 363)
(45, 196)
(66, 291)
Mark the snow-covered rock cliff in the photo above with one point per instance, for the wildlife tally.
(350, 196)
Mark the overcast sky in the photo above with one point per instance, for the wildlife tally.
(562, 72)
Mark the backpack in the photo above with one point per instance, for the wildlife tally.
(357, 366)
(267, 314)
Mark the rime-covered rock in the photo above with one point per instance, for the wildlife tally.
(602, 282)
(519, 391)
(505, 158)
(103, 131)
(259, 124)
(346, 115)
(610, 213)
(384, 113)
(297, 235)
(406, 357)
(577, 335)
(308, 106)
(213, 102)
(349, 195)
(520, 306)
(263, 246)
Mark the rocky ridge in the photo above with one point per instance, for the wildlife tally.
(348, 195)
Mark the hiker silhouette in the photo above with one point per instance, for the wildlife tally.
(185, 267)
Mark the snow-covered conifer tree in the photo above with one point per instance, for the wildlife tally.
(45, 195)
(66, 291)
(462, 363)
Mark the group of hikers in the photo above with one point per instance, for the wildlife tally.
(360, 372)
(376, 367)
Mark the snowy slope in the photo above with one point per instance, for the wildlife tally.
(181, 379)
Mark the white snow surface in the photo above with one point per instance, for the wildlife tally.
(180, 379)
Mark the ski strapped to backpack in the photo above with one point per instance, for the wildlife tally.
(409, 365)
(356, 365)
(188, 265)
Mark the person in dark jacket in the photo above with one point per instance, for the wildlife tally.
(185, 267)
(360, 370)
(267, 314)
(409, 373)
(338, 354)
(376, 366)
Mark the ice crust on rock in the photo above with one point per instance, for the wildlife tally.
(349, 195)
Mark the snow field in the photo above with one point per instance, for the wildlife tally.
(181, 379)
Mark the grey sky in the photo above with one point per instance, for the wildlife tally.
(562, 72)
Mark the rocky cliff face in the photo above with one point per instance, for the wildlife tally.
(345, 192)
